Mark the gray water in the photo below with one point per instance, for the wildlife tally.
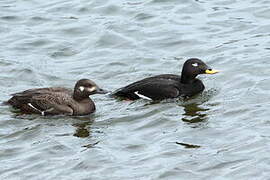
(222, 133)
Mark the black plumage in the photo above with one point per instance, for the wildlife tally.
(168, 85)
(57, 100)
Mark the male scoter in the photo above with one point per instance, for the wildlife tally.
(168, 85)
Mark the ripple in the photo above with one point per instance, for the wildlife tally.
(222, 132)
(64, 52)
(10, 18)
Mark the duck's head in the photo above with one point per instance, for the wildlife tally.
(85, 87)
(193, 67)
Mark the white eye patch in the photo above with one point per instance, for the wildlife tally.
(195, 64)
(81, 88)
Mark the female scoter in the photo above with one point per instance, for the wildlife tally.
(168, 85)
(57, 100)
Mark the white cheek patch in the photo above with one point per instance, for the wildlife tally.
(92, 89)
(81, 88)
(142, 96)
(195, 64)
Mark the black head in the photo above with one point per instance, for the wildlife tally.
(193, 67)
(85, 87)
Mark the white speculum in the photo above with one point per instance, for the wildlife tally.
(142, 96)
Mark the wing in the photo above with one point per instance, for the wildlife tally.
(155, 88)
(158, 90)
(52, 103)
(21, 98)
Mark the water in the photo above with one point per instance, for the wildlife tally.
(221, 134)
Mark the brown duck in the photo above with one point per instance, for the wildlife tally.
(57, 100)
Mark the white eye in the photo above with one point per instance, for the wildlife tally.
(81, 88)
(195, 64)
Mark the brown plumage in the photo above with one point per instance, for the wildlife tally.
(57, 100)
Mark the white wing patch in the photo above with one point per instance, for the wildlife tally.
(195, 64)
(41, 112)
(142, 96)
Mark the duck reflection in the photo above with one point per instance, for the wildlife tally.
(82, 129)
(194, 113)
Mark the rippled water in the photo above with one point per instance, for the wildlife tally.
(221, 134)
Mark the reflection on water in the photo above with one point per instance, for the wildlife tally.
(188, 145)
(82, 129)
(194, 113)
(87, 146)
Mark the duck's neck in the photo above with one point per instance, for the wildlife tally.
(78, 96)
(187, 79)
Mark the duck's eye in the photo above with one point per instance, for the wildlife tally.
(195, 64)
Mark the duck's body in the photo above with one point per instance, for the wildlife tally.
(160, 87)
(57, 100)
(51, 103)
(168, 85)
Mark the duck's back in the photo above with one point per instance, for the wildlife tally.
(33, 91)
(24, 97)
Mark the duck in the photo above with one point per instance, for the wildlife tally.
(167, 86)
(57, 100)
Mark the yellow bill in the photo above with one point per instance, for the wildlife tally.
(211, 71)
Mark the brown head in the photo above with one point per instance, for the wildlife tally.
(84, 88)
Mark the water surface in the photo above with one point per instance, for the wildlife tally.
(222, 133)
